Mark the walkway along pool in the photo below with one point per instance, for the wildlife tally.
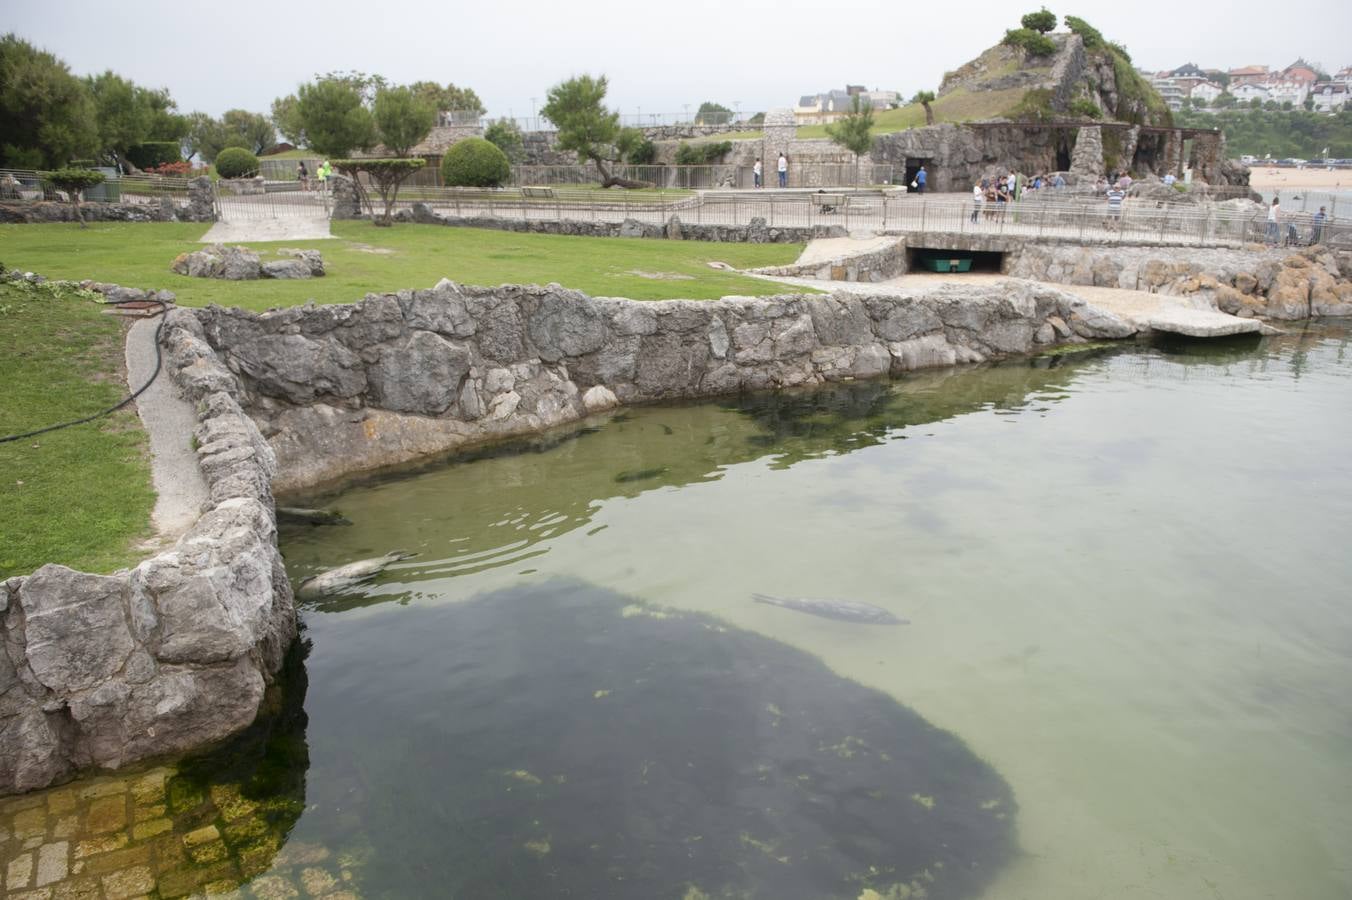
(1124, 675)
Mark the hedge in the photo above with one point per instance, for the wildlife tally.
(150, 154)
(475, 162)
(236, 162)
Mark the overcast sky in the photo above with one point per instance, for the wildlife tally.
(659, 56)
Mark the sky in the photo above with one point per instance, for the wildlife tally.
(659, 57)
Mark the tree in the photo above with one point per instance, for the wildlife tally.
(365, 85)
(252, 131)
(506, 136)
(1041, 21)
(711, 113)
(1255, 103)
(386, 174)
(334, 117)
(46, 114)
(402, 119)
(475, 162)
(286, 118)
(925, 98)
(450, 97)
(73, 182)
(1224, 101)
(854, 132)
(588, 129)
(122, 121)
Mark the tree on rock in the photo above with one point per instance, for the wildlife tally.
(386, 174)
(855, 131)
(590, 130)
(73, 182)
(1041, 21)
(925, 98)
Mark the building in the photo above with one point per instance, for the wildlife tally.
(1169, 90)
(1249, 91)
(1293, 92)
(883, 99)
(1344, 75)
(1300, 71)
(814, 109)
(1206, 92)
(1247, 75)
(1330, 96)
(1187, 77)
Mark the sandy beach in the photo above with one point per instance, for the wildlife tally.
(1268, 177)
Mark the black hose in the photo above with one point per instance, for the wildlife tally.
(164, 309)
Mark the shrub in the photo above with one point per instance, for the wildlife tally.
(236, 162)
(149, 154)
(1041, 21)
(643, 154)
(1092, 37)
(73, 181)
(701, 154)
(1030, 41)
(475, 162)
(1085, 108)
(180, 169)
(386, 174)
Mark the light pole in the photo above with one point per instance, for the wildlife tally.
(532, 112)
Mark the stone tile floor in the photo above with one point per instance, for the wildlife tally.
(155, 835)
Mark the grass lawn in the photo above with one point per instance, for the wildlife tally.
(80, 496)
(364, 258)
(960, 105)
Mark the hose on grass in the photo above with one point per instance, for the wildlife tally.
(164, 309)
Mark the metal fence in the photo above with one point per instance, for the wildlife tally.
(708, 177)
(27, 184)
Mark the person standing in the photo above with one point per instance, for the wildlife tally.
(1115, 197)
(1318, 232)
(1274, 218)
(978, 199)
(756, 171)
(783, 169)
(920, 178)
(303, 176)
(322, 175)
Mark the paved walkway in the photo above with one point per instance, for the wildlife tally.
(181, 491)
(1146, 311)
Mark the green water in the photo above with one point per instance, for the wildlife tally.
(1126, 671)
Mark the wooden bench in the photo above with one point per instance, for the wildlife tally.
(538, 193)
(828, 203)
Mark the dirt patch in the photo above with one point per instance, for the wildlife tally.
(367, 248)
(657, 276)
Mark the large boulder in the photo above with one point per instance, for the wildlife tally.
(286, 269)
(219, 261)
(313, 259)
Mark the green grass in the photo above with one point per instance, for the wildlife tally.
(960, 105)
(752, 135)
(80, 496)
(364, 258)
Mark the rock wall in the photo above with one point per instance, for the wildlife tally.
(338, 389)
(1276, 284)
(97, 671)
(201, 207)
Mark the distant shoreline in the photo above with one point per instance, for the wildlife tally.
(1267, 177)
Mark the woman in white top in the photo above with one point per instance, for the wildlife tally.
(1273, 218)
(756, 172)
(978, 199)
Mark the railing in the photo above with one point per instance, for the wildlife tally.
(709, 177)
(27, 184)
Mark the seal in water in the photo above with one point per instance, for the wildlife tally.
(344, 577)
(844, 610)
(312, 516)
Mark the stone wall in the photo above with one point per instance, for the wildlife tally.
(873, 266)
(338, 389)
(97, 671)
(201, 207)
(1277, 284)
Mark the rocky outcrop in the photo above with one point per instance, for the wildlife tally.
(97, 671)
(1268, 283)
(243, 264)
(397, 376)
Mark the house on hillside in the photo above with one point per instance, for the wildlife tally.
(1293, 92)
(1206, 92)
(1300, 71)
(1247, 75)
(1169, 90)
(1343, 75)
(882, 99)
(1187, 77)
(1249, 91)
(814, 109)
(1330, 96)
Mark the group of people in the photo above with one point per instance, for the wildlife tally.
(990, 194)
(782, 167)
(322, 173)
(1274, 226)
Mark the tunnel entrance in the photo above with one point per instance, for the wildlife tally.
(913, 164)
(931, 259)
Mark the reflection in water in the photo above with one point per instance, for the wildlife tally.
(560, 741)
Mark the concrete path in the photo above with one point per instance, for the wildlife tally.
(181, 491)
(1147, 311)
(824, 250)
(286, 228)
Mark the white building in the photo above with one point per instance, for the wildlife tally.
(1250, 91)
(1170, 91)
(827, 107)
(1293, 92)
(1330, 96)
(882, 99)
(1208, 91)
